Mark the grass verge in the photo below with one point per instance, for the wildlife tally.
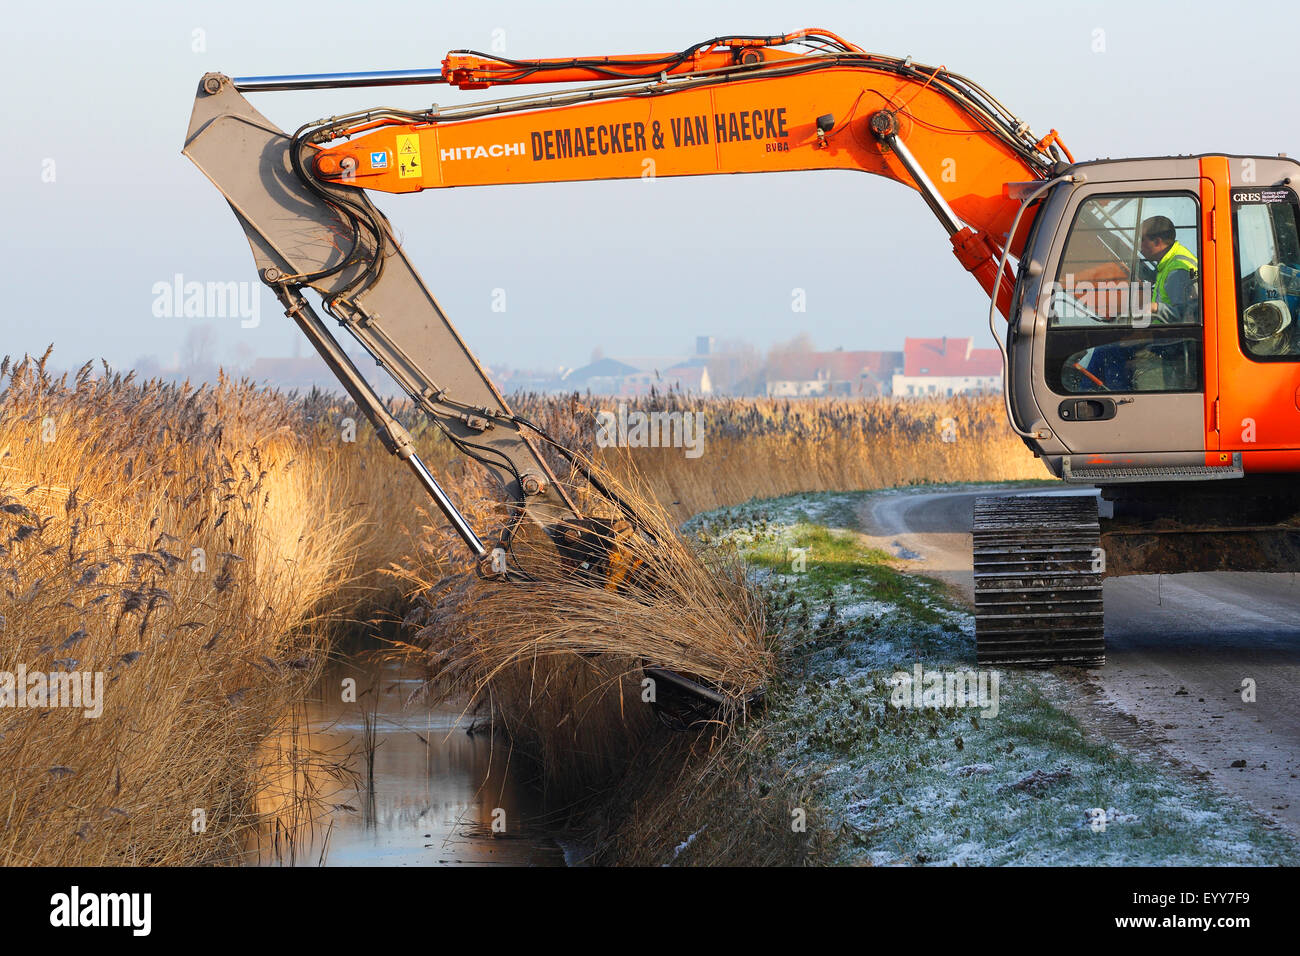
(1019, 784)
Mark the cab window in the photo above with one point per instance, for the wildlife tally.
(1268, 273)
(1125, 306)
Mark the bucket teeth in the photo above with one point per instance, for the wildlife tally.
(1038, 575)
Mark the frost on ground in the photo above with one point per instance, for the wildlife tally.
(914, 755)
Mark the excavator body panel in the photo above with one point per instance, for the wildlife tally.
(1258, 267)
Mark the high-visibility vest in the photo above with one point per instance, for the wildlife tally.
(1176, 257)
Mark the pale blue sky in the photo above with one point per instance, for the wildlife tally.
(105, 89)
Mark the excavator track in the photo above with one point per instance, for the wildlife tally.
(1038, 574)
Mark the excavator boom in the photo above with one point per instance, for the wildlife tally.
(727, 105)
(731, 105)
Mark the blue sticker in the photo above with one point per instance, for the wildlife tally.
(379, 160)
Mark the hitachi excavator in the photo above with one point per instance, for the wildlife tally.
(1146, 309)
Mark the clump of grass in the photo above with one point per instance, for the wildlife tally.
(704, 800)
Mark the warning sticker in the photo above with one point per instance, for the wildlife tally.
(408, 156)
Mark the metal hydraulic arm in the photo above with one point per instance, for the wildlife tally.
(731, 105)
(334, 241)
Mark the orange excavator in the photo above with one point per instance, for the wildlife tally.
(1146, 309)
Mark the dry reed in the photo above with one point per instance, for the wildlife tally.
(766, 448)
(188, 544)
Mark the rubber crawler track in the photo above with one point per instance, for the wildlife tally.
(1038, 573)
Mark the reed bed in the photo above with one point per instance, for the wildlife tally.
(188, 545)
(766, 448)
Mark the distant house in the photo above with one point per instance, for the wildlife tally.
(691, 379)
(603, 377)
(609, 376)
(797, 374)
(947, 366)
(521, 380)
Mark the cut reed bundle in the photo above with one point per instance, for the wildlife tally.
(559, 653)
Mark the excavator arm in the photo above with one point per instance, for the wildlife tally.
(803, 101)
(336, 242)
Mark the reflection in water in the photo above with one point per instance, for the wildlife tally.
(379, 782)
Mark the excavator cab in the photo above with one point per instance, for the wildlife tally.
(1118, 346)
(1107, 334)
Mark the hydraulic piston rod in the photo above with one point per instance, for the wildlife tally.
(885, 125)
(391, 433)
(336, 81)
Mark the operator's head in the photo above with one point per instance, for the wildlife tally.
(1157, 236)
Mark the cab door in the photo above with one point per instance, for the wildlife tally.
(1120, 360)
(1259, 342)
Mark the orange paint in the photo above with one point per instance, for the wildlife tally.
(750, 122)
(1257, 400)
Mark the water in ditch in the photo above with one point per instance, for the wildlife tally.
(366, 774)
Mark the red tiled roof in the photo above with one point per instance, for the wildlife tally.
(687, 375)
(949, 358)
(835, 366)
